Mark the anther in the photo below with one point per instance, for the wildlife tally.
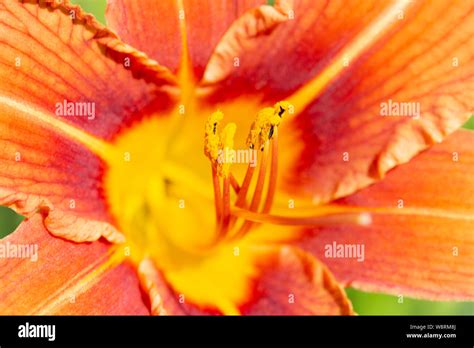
(212, 144)
(264, 126)
(211, 138)
(263, 132)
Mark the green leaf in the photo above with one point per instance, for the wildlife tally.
(9, 221)
(470, 123)
(381, 304)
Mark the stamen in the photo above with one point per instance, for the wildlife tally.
(273, 175)
(260, 127)
(264, 126)
(226, 205)
(242, 196)
(227, 145)
(263, 131)
(234, 183)
(212, 144)
(260, 180)
(217, 194)
(227, 139)
(255, 203)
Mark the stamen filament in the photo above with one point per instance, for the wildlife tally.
(217, 194)
(260, 180)
(242, 196)
(273, 174)
(234, 183)
(226, 205)
(255, 203)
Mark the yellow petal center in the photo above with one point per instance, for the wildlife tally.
(159, 188)
(171, 196)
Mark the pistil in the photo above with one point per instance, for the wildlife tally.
(348, 216)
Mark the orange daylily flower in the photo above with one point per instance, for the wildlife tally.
(101, 148)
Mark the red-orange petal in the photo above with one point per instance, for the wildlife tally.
(155, 27)
(163, 300)
(285, 281)
(421, 242)
(293, 282)
(66, 278)
(340, 140)
(117, 292)
(274, 60)
(51, 52)
(42, 171)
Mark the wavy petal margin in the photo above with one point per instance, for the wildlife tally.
(421, 240)
(41, 274)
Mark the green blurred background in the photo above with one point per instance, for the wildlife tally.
(364, 303)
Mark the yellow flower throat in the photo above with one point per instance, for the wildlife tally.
(181, 218)
(189, 213)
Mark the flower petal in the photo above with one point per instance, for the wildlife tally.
(43, 171)
(207, 21)
(155, 27)
(337, 62)
(162, 298)
(300, 45)
(51, 52)
(117, 292)
(151, 26)
(284, 281)
(52, 57)
(420, 242)
(293, 282)
(92, 281)
(241, 36)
